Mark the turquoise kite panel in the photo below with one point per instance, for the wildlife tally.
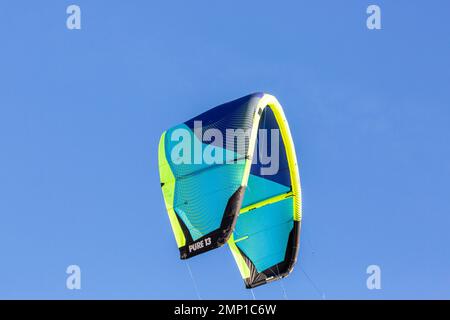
(259, 189)
(202, 212)
(268, 230)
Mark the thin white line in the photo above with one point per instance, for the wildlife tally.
(193, 281)
(253, 294)
(320, 292)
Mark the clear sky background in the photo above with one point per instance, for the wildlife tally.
(81, 113)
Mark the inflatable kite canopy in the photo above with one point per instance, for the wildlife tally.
(230, 175)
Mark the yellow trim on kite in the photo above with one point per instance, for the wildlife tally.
(243, 268)
(240, 239)
(270, 101)
(290, 153)
(266, 202)
(168, 189)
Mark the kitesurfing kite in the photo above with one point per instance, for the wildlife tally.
(222, 183)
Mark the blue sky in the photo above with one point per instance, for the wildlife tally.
(81, 113)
